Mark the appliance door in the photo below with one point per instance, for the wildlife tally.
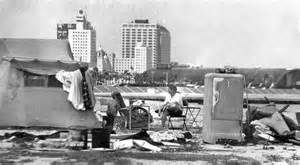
(227, 98)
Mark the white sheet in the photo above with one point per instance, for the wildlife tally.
(72, 84)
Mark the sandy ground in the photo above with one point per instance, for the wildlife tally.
(193, 152)
(208, 154)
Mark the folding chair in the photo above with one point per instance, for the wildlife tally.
(191, 111)
(182, 117)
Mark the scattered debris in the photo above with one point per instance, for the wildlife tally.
(131, 143)
(170, 135)
(272, 124)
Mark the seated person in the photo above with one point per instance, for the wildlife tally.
(172, 105)
(113, 108)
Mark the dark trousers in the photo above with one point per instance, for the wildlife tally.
(169, 112)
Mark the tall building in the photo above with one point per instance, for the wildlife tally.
(164, 46)
(82, 39)
(142, 58)
(154, 36)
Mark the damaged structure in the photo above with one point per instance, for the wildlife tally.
(272, 123)
(30, 95)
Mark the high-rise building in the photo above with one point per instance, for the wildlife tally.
(142, 58)
(82, 39)
(153, 36)
(164, 46)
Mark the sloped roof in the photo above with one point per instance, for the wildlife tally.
(46, 49)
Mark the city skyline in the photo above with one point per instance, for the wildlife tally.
(209, 33)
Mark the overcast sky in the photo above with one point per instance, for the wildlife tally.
(212, 33)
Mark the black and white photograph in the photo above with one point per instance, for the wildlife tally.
(150, 82)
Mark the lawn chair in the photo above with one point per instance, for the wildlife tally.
(192, 114)
(188, 114)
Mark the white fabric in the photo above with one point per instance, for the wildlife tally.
(72, 84)
(123, 144)
(75, 94)
(177, 98)
(146, 145)
(130, 143)
(65, 78)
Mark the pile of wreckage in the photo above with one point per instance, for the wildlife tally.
(272, 124)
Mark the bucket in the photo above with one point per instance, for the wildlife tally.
(100, 138)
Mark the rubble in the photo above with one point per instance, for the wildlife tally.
(168, 135)
(272, 124)
(151, 140)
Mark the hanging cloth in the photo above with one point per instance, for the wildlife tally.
(75, 95)
(85, 92)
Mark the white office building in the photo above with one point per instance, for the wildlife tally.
(83, 41)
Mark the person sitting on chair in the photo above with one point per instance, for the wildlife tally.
(113, 107)
(172, 105)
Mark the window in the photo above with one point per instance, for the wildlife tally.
(34, 80)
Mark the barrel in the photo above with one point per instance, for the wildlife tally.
(100, 138)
